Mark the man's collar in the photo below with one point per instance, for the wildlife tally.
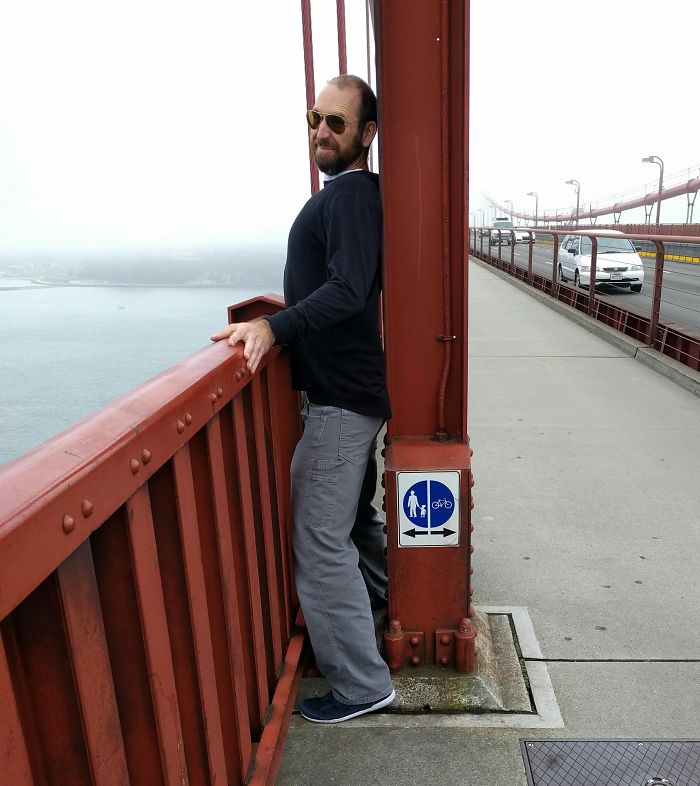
(329, 178)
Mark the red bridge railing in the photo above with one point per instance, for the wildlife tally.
(147, 607)
(681, 342)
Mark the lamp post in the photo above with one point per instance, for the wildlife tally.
(483, 213)
(657, 160)
(533, 193)
(577, 186)
(509, 201)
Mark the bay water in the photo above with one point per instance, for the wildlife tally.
(67, 350)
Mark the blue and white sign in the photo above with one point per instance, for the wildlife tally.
(428, 506)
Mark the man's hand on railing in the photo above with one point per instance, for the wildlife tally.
(257, 338)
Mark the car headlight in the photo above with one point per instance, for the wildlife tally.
(636, 267)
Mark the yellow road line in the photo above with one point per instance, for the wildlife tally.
(674, 257)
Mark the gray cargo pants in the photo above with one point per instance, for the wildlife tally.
(339, 549)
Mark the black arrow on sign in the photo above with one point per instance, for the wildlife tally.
(444, 532)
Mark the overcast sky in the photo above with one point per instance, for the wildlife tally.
(159, 123)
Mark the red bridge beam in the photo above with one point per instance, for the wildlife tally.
(422, 50)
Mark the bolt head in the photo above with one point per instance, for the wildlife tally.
(146, 456)
(414, 641)
(135, 466)
(219, 392)
(188, 418)
(415, 661)
(444, 660)
(180, 427)
(68, 524)
(87, 508)
(444, 640)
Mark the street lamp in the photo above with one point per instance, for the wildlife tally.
(481, 210)
(657, 160)
(509, 201)
(533, 193)
(577, 186)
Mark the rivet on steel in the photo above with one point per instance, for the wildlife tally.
(471, 548)
(68, 524)
(415, 661)
(394, 627)
(188, 418)
(146, 456)
(444, 640)
(87, 508)
(212, 397)
(444, 660)
(180, 427)
(414, 641)
(219, 392)
(135, 466)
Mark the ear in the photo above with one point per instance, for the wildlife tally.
(368, 133)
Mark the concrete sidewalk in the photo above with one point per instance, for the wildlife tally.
(587, 467)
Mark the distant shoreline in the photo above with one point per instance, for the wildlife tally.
(32, 283)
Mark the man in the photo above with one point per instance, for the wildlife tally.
(332, 282)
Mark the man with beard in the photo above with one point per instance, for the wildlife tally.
(332, 282)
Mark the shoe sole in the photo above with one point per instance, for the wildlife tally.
(378, 706)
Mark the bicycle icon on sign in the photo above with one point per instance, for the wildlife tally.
(441, 503)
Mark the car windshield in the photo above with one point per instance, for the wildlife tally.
(608, 245)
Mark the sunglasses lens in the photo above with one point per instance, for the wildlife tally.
(335, 123)
(313, 118)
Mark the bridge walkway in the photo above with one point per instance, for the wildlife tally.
(587, 513)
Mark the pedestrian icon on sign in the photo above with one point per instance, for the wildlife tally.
(413, 504)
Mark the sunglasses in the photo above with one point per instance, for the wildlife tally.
(335, 122)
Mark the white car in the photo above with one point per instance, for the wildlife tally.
(617, 264)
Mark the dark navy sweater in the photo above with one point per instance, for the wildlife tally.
(332, 281)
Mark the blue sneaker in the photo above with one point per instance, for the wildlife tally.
(327, 709)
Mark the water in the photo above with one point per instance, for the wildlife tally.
(66, 351)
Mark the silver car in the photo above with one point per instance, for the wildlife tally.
(617, 264)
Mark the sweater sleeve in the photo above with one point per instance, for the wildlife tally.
(353, 229)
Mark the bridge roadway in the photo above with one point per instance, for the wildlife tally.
(680, 297)
(587, 466)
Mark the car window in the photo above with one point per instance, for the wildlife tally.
(608, 245)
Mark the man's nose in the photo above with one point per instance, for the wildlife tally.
(323, 132)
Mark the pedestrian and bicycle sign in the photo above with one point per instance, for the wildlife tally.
(428, 505)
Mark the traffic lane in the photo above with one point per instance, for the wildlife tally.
(680, 296)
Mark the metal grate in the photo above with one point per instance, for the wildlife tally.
(611, 762)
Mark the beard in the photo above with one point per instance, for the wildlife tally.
(335, 164)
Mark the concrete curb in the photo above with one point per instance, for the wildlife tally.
(682, 375)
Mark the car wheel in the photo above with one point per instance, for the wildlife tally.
(561, 275)
(635, 287)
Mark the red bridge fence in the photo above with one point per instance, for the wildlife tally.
(148, 621)
(679, 341)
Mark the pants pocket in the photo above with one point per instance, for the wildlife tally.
(357, 433)
(320, 501)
